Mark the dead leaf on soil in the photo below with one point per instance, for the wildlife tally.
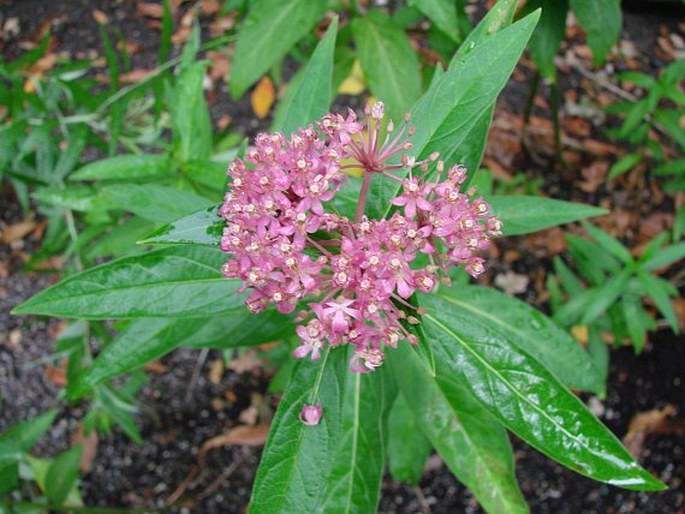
(90, 447)
(216, 371)
(17, 231)
(599, 148)
(679, 308)
(134, 76)
(512, 283)
(247, 361)
(150, 10)
(263, 97)
(239, 436)
(354, 84)
(650, 422)
(155, 367)
(57, 374)
(594, 176)
(100, 17)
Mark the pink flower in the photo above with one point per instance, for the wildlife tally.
(288, 247)
(311, 414)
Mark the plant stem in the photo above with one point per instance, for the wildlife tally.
(361, 203)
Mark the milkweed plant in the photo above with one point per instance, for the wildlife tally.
(353, 240)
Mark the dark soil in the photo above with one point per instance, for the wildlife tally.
(178, 413)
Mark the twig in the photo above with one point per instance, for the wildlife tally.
(196, 374)
(423, 504)
(227, 473)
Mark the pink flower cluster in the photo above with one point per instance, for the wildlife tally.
(286, 247)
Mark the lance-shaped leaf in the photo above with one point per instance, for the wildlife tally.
(547, 38)
(408, 447)
(389, 62)
(525, 214)
(271, 29)
(602, 21)
(459, 105)
(203, 227)
(473, 444)
(183, 281)
(529, 400)
(147, 339)
(335, 466)
(482, 308)
(126, 167)
(311, 95)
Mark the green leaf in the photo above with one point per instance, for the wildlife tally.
(529, 400)
(633, 312)
(658, 291)
(609, 243)
(408, 448)
(665, 257)
(605, 295)
(147, 339)
(389, 62)
(208, 173)
(271, 29)
(483, 309)
(126, 168)
(473, 444)
(442, 13)
(62, 474)
(454, 114)
(159, 204)
(311, 97)
(602, 21)
(192, 128)
(525, 214)
(181, 281)
(337, 465)
(203, 227)
(624, 164)
(20, 438)
(546, 40)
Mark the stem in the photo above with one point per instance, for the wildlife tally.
(361, 203)
(531, 98)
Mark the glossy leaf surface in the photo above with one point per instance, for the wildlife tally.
(529, 400)
(457, 107)
(183, 281)
(203, 227)
(525, 214)
(473, 444)
(408, 447)
(484, 309)
(311, 97)
(335, 466)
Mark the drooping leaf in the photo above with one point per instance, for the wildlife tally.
(159, 204)
(443, 13)
(525, 214)
(203, 227)
(62, 475)
(487, 309)
(335, 466)
(389, 62)
(454, 114)
(312, 95)
(529, 400)
(181, 281)
(473, 444)
(126, 167)
(147, 339)
(546, 40)
(271, 29)
(21, 437)
(408, 447)
(602, 21)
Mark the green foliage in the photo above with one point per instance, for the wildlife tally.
(608, 296)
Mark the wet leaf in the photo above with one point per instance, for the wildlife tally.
(203, 227)
(528, 399)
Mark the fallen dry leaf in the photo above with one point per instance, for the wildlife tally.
(263, 97)
(216, 371)
(247, 361)
(100, 17)
(155, 367)
(354, 84)
(90, 447)
(239, 436)
(594, 176)
(150, 10)
(511, 282)
(134, 76)
(57, 374)
(17, 231)
(644, 424)
(208, 7)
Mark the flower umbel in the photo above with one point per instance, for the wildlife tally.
(357, 274)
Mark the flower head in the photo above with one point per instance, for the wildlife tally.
(354, 275)
(311, 414)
